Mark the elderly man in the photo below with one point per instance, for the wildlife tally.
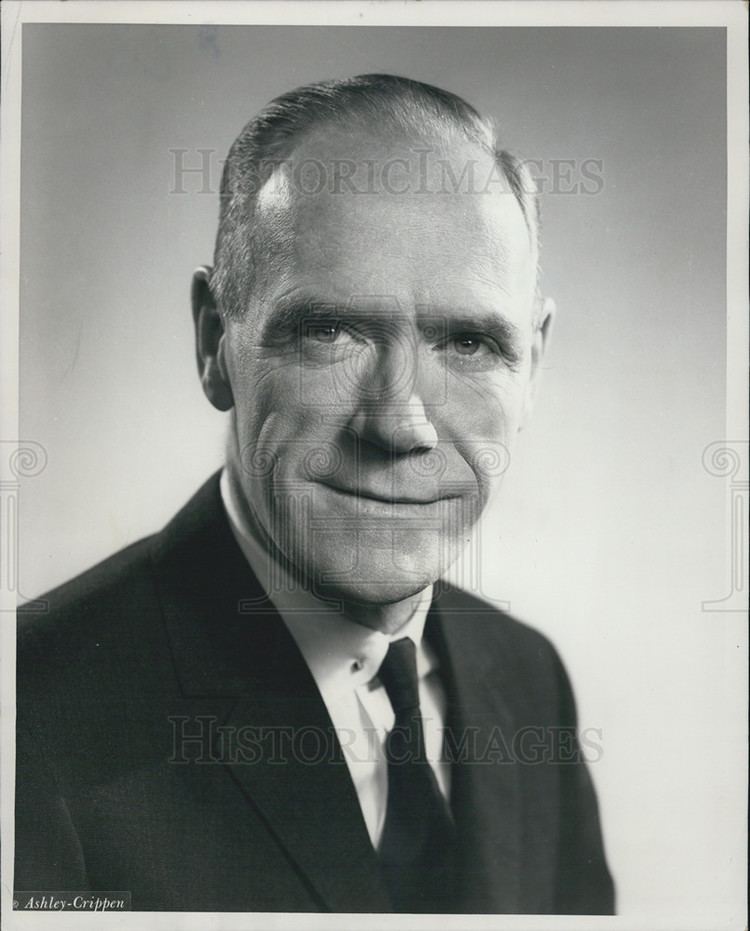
(275, 704)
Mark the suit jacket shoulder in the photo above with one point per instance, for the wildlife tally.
(507, 649)
(85, 616)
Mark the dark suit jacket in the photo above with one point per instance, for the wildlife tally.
(173, 638)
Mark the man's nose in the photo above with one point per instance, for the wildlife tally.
(392, 412)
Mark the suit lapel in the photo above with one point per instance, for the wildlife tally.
(278, 741)
(485, 795)
(300, 786)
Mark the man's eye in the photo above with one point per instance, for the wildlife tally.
(470, 345)
(471, 352)
(323, 332)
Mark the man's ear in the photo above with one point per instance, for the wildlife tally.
(210, 341)
(544, 316)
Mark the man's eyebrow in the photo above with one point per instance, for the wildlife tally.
(454, 321)
(288, 316)
(472, 320)
(493, 323)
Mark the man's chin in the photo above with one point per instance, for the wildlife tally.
(370, 593)
(374, 579)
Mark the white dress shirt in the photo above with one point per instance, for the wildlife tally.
(344, 657)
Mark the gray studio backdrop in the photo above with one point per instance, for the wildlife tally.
(609, 534)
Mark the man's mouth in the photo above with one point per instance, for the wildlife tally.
(395, 498)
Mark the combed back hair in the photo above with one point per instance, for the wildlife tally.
(393, 104)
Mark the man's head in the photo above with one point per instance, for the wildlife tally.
(373, 321)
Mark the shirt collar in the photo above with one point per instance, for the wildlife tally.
(340, 653)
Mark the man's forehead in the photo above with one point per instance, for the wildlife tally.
(387, 209)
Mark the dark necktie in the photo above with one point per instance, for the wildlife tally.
(416, 848)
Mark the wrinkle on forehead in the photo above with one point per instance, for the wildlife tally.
(371, 240)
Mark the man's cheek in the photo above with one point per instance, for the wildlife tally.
(479, 409)
(331, 387)
(483, 435)
(268, 387)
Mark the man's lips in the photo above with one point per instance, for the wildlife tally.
(394, 499)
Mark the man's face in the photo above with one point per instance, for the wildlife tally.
(382, 369)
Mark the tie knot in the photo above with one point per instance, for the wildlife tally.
(398, 673)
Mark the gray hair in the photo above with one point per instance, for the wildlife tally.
(391, 103)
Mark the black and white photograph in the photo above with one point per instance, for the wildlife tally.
(374, 465)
